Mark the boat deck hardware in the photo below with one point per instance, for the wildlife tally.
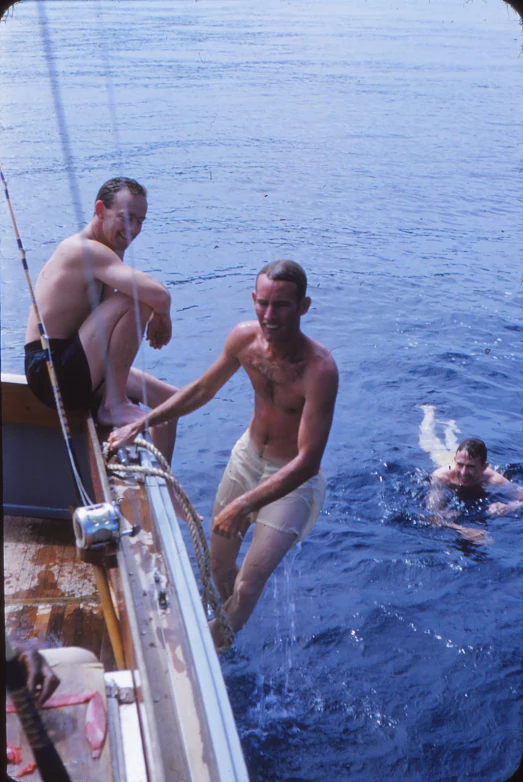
(99, 525)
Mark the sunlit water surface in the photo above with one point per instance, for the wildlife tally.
(378, 144)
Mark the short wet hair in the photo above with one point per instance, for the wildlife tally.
(286, 271)
(109, 189)
(475, 448)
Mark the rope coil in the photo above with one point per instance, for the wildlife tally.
(209, 595)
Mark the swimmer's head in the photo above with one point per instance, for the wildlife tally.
(475, 448)
(109, 189)
(286, 271)
(470, 462)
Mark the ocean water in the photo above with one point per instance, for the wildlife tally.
(378, 144)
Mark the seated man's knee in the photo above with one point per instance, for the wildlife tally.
(144, 311)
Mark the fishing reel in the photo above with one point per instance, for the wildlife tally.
(99, 526)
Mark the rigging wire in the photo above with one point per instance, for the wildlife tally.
(67, 154)
(115, 130)
(44, 340)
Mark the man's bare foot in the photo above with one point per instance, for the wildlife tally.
(118, 415)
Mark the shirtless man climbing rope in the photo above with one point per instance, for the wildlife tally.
(95, 310)
(273, 477)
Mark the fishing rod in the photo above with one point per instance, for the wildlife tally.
(44, 340)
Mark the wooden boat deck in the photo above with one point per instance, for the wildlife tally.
(50, 594)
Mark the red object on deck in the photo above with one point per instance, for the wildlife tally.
(14, 754)
(26, 770)
(59, 700)
(96, 724)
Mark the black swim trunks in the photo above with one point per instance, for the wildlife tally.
(72, 372)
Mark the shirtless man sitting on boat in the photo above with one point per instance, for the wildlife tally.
(95, 310)
(273, 477)
(465, 472)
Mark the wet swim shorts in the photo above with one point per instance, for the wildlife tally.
(72, 371)
(295, 513)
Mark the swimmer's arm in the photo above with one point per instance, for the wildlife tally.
(502, 508)
(313, 434)
(189, 398)
(472, 534)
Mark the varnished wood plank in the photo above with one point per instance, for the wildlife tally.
(106, 655)
(47, 560)
(22, 623)
(71, 628)
(20, 406)
(93, 630)
(55, 627)
(41, 624)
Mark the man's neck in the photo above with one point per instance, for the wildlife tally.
(92, 231)
(290, 349)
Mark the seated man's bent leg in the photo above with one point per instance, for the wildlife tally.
(147, 389)
(111, 336)
(152, 391)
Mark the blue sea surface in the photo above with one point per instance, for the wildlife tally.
(379, 144)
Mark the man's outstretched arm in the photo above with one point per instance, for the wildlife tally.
(502, 508)
(313, 434)
(189, 398)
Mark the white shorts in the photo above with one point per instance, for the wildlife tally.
(296, 513)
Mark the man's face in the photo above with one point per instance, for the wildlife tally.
(469, 469)
(277, 309)
(122, 222)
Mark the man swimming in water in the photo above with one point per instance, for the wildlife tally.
(95, 310)
(273, 477)
(470, 473)
(466, 472)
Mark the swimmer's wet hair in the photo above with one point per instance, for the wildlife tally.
(475, 448)
(113, 186)
(287, 271)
